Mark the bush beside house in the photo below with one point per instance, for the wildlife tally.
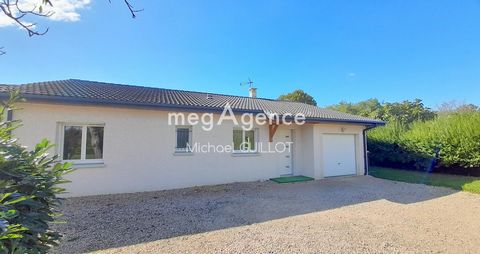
(455, 137)
(28, 192)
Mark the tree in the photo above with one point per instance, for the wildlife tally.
(468, 108)
(298, 96)
(404, 112)
(407, 112)
(369, 108)
(17, 12)
(450, 107)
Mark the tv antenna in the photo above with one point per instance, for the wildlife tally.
(249, 83)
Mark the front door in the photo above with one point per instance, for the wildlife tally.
(284, 151)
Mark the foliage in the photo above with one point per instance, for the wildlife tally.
(385, 145)
(456, 182)
(369, 108)
(414, 133)
(457, 107)
(407, 112)
(28, 192)
(456, 137)
(404, 112)
(298, 96)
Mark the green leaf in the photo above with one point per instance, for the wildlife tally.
(17, 200)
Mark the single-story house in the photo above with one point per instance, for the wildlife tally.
(121, 138)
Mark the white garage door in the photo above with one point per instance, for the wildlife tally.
(339, 155)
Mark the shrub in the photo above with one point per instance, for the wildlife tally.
(386, 146)
(28, 192)
(456, 136)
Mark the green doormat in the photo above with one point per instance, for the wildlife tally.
(291, 179)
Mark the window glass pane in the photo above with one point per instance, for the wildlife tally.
(72, 143)
(182, 138)
(249, 140)
(94, 143)
(237, 139)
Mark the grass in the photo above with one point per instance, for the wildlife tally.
(291, 179)
(456, 182)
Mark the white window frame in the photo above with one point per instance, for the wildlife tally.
(255, 134)
(190, 134)
(83, 153)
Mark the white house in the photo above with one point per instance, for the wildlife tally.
(122, 139)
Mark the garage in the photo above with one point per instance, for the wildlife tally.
(339, 155)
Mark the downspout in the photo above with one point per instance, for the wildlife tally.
(9, 120)
(9, 114)
(365, 152)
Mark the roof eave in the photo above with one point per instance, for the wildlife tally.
(103, 102)
(362, 122)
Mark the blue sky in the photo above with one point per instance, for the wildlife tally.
(334, 50)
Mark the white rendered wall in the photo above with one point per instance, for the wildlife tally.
(139, 149)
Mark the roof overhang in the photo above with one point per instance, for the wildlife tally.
(188, 108)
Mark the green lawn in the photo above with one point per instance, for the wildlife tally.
(464, 183)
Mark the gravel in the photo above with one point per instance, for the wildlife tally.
(339, 215)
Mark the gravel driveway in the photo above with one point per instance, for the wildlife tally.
(349, 214)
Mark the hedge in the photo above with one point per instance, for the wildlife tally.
(456, 137)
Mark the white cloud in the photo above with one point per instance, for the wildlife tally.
(63, 10)
(352, 74)
(5, 21)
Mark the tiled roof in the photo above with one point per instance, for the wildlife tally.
(82, 91)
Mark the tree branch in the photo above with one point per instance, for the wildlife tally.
(12, 10)
(130, 7)
(132, 10)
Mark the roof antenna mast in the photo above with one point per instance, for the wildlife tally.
(249, 83)
(252, 90)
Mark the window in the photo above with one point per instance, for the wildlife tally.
(184, 139)
(244, 140)
(82, 143)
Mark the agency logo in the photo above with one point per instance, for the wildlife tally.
(246, 120)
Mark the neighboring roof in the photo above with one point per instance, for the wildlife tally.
(82, 91)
